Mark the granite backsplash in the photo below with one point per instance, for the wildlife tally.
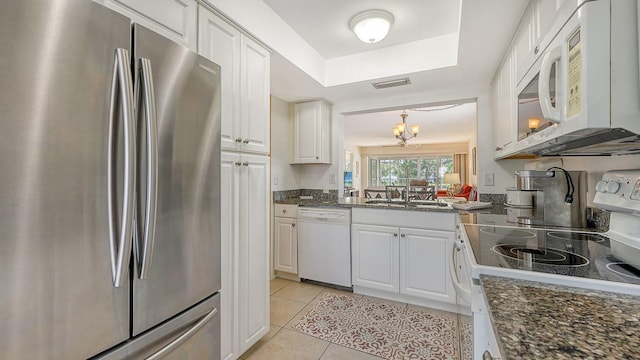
(318, 194)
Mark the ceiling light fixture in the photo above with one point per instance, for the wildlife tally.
(400, 130)
(371, 26)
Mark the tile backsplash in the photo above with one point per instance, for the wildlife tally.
(596, 218)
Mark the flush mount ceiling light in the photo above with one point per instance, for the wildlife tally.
(371, 26)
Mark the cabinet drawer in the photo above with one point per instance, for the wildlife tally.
(285, 210)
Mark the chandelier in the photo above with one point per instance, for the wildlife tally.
(400, 130)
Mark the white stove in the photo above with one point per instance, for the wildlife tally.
(607, 261)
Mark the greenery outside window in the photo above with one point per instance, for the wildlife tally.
(391, 171)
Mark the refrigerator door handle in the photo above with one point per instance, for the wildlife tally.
(120, 243)
(184, 337)
(146, 94)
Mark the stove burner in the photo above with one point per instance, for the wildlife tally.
(623, 269)
(510, 232)
(567, 235)
(546, 256)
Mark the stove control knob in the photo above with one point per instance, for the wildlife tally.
(601, 186)
(613, 187)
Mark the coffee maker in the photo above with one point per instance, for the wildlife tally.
(558, 197)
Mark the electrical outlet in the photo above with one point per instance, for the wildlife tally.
(276, 180)
(488, 179)
(332, 179)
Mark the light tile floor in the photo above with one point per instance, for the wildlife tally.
(290, 301)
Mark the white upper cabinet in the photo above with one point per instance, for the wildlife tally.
(504, 108)
(245, 83)
(530, 39)
(311, 132)
(216, 34)
(174, 19)
(255, 106)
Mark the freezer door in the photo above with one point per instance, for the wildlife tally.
(184, 267)
(193, 335)
(57, 294)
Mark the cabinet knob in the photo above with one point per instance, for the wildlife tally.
(284, 211)
(246, 163)
(293, 225)
(245, 141)
(239, 140)
(317, 157)
(498, 148)
(403, 235)
(395, 234)
(457, 226)
(536, 50)
(237, 163)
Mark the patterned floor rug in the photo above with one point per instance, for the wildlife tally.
(383, 329)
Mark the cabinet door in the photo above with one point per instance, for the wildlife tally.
(286, 245)
(546, 14)
(495, 112)
(524, 44)
(375, 256)
(424, 264)
(253, 264)
(174, 19)
(254, 99)
(220, 42)
(229, 192)
(506, 118)
(307, 124)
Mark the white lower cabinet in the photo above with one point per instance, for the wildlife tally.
(424, 264)
(375, 257)
(403, 263)
(245, 207)
(285, 247)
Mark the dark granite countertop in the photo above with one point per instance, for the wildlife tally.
(539, 321)
(355, 202)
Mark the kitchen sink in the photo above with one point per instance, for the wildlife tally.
(433, 204)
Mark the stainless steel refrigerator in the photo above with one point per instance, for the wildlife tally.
(109, 188)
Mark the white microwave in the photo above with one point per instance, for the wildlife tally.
(582, 94)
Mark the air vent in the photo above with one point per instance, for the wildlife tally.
(391, 83)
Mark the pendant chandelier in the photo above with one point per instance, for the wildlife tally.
(400, 130)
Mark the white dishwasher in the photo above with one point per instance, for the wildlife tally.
(324, 245)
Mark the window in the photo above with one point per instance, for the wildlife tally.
(392, 170)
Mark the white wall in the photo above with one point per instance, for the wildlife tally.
(283, 175)
(501, 170)
(320, 176)
(357, 171)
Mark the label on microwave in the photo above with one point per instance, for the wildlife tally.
(574, 76)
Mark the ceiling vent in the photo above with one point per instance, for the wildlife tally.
(391, 83)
